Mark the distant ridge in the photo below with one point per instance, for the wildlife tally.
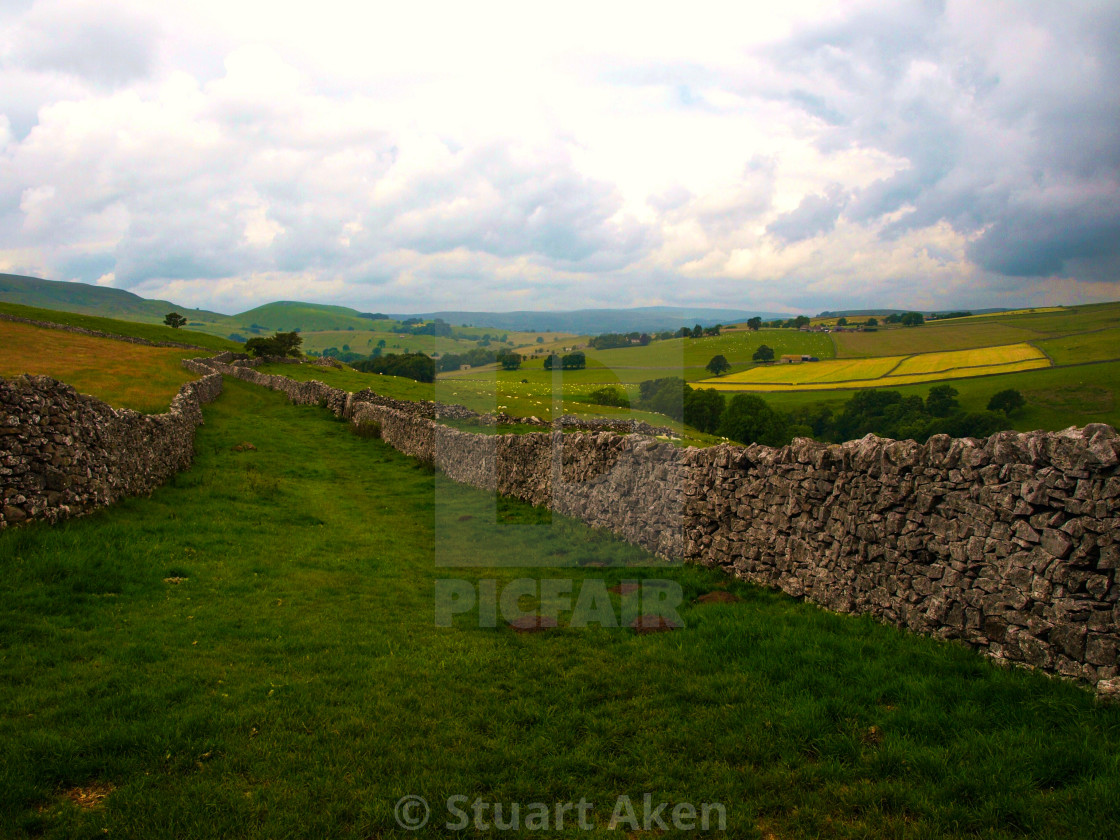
(85, 299)
(848, 313)
(597, 321)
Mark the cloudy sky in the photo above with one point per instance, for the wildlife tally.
(417, 156)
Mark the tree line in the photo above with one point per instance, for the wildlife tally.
(748, 418)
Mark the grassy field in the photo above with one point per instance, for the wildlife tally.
(252, 652)
(980, 331)
(122, 374)
(1056, 397)
(737, 347)
(1095, 346)
(929, 338)
(506, 393)
(152, 332)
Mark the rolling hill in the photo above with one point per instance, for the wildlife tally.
(102, 301)
(289, 315)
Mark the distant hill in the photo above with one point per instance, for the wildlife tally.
(102, 301)
(860, 313)
(597, 321)
(287, 315)
(107, 302)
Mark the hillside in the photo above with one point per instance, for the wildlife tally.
(114, 326)
(100, 301)
(289, 315)
(123, 374)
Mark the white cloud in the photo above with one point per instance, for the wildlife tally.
(434, 155)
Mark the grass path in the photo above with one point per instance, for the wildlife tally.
(251, 652)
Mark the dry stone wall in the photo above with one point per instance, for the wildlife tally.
(64, 454)
(1010, 544)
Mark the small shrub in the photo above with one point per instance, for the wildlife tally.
(367, 429)
(609, 396)
(426, 465)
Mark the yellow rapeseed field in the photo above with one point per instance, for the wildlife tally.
(979, 357)
(882, 371)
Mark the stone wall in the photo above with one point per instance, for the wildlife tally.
(64, 454)
(1010, 544)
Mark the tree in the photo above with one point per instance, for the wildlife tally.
(665, 396)
(575, 361)
(912, 319)
(697, 332)
(174, 320)
(718, 366)
(841, 322)
(1006, 401)
(509, 361)
(754, 324)
(872, 322)
(763, 354)
(609, 395)
(941, 402)
(748, 419)
(281, 344)
(418, 366)
(703, 409)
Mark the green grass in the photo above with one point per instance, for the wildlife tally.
(348, 379)
(979, 331)
(737, 347)
(482, 395)
(123, 374)
(1056, 397)
(136, 329)
(1083, 347)
(293, 683)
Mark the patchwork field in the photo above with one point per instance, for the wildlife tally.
(122, 374)
(883, 371)
(955, 360)
(981, 331)
(251, 652)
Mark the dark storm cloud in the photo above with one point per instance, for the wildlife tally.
(816, 214)
(1007, 115)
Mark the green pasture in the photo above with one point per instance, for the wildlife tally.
(737, 347)
(252, 652)
(1057, 397)
(1099, 345)
(135, 329)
